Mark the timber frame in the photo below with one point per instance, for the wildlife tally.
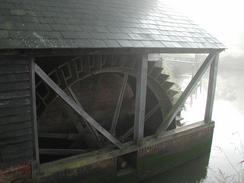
(211, 61)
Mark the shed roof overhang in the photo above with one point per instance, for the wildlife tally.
(103, 51)
(99, 26)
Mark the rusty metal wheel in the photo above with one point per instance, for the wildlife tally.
(105, 87)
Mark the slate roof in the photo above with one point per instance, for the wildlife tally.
(97, 24)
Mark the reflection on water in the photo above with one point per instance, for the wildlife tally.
(226, 162)
(227, 149)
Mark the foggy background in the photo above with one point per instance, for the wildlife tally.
(224, 20)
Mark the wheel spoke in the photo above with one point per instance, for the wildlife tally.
(91, 129)
(118, 106)
(153, 110)
(148, 116)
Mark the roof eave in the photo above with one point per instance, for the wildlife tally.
(105, 51)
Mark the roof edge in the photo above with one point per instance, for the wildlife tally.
(104, 51)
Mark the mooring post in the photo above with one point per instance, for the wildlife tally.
(211, 89)
(140, 103)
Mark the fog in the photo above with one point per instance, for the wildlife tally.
(224, 20)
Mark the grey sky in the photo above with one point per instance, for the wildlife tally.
(224, 20)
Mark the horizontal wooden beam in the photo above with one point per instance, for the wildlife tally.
(68, 136)
(180, 103)
(84, 160)
(63, 152)
(69, 101)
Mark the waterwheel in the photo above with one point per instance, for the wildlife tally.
(105, 87)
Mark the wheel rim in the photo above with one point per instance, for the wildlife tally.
(80, 72)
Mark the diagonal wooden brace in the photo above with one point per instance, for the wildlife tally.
(180, 102)
(75, 106)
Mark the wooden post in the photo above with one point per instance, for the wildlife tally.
(34, 116)
(141, 89)
(211, 89)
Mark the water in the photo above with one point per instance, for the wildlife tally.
(225, 161)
